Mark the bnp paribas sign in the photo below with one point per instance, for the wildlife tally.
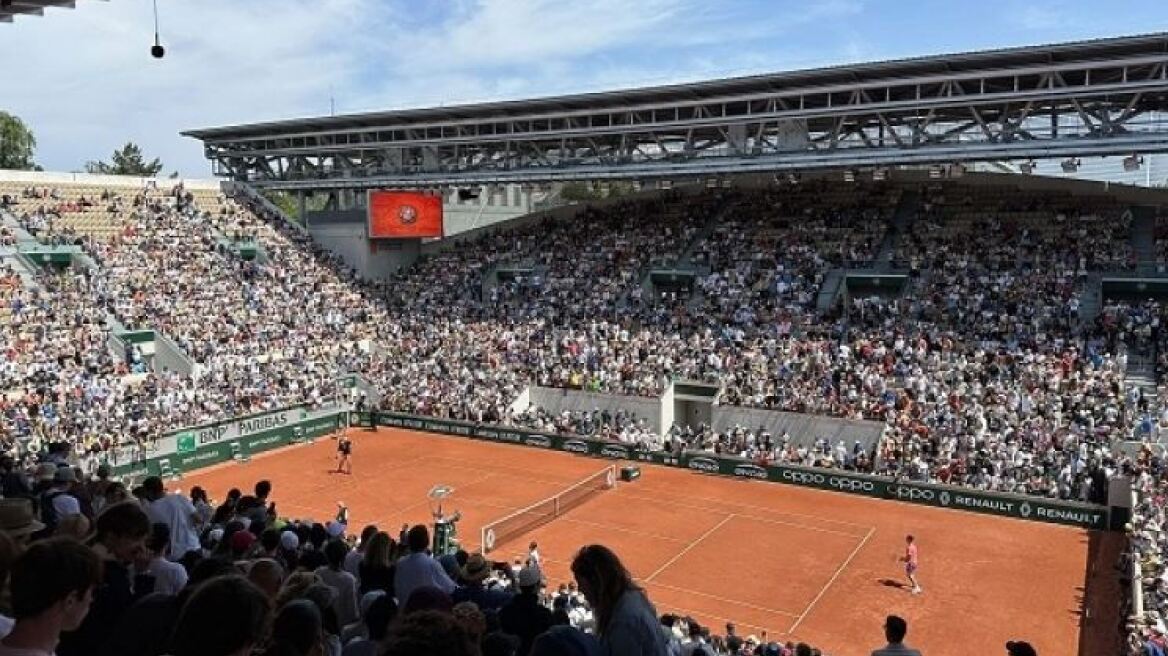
(191, 439)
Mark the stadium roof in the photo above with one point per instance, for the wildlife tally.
(10, 8)
(849, 74)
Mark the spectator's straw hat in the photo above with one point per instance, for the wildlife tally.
(476, 569)
(16, 517)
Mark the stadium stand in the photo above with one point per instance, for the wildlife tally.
(981, 368)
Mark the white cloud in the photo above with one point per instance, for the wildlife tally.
(85, 82)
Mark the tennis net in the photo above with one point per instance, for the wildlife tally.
(523, 520)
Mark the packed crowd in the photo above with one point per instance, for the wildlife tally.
(980, 380)
(89, 568)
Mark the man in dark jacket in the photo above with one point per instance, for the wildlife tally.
(523, 616)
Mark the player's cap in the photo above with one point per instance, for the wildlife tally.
(1020, 649)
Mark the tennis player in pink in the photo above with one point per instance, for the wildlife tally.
(910, 563)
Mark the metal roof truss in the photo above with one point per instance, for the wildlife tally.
(1098, 107)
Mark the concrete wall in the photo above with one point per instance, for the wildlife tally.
(169, 356)
(804, 429)
(343, 232)
(48, 178)
(667, 409)
(556, 401)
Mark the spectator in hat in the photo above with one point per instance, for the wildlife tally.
(17, 519)
(895, 628)
(226, 616)
(626, 621)
(524, 616)
(1020, 648)
(120, 534)
(57, 502)
(419, 569)
(177, 512)
(344, 583)
(475, 574)
(241, 543)
(51, 589)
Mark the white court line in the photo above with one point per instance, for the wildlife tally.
(755, 518)
(724, 600)
(666, 494)
(693, 544)
(835, 576)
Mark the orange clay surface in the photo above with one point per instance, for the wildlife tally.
(800, 564)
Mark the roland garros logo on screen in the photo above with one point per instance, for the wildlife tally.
(407, 214)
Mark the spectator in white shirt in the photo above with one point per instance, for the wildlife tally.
(419, 569)
(177, 512)
(895, 629)
(169, 578)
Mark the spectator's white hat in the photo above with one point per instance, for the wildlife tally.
(289, 541)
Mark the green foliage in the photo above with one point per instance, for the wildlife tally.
(127, 161)
(17, 144)
(291, 207)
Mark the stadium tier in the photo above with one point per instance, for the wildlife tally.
(993, 356)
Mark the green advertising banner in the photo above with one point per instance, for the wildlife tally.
(940, 496)
(188, 457)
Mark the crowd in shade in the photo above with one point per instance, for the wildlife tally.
(88, 568)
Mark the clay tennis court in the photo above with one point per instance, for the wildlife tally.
(797, 563)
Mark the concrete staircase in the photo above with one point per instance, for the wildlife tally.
(902, 218)
(1091, 298)
(829, 291)
(1141, 372)
(1143, 240)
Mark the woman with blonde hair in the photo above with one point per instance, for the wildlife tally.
(626, 622)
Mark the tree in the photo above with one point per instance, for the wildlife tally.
(127, 161)
(17, 144)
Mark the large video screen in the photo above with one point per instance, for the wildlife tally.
(404, 215)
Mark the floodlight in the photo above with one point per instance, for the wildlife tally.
(935, 172)
(879, 174)
(664, 185)
(1026, 167)
(1070, 165)
(849, 175)
(1132, 163)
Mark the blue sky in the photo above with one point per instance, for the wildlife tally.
(83, 78)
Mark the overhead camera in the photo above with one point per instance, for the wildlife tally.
(157, 51)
